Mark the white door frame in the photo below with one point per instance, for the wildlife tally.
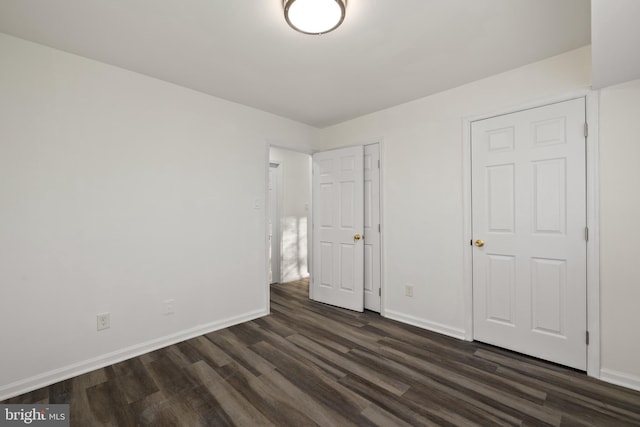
(593, 218)
(277, 225)
(377, 309)
(383, 288)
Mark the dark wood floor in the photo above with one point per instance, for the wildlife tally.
(310, 364)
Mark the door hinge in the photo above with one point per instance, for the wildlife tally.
(586, 129)
(379, 292)
(378, 164)
(586, 234)
(586, 337)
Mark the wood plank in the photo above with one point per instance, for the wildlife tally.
(239, 410)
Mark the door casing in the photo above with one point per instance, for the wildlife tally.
(276, 220)
(593, 244)
(372, 299)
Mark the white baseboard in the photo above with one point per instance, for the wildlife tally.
(51, 377)
(426, 324)
(620, 378)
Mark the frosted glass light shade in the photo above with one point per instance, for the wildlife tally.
(314, 16)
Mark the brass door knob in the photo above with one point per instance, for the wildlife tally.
(357, 237)
(479, 243)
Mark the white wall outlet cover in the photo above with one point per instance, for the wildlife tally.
(408, 290)
(103, 321)
(169, 307)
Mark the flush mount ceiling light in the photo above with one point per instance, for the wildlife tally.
(314, 16)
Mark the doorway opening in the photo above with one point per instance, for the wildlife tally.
(289, 200)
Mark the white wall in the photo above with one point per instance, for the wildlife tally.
(118, 191)
(615, 36)
(620, 232)
(296, 202)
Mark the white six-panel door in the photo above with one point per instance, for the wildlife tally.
(529, 219)
(338, 247)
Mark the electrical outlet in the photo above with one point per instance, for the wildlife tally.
(104, 321)
(169, 307)
(408, 290)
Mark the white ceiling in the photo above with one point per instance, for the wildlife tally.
(387, 51)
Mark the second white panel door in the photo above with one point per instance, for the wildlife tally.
(338, 246)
